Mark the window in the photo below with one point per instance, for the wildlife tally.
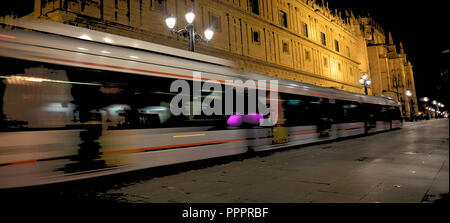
(307, 55)
(394, 113)
(323, 39)
(299, 110)
(158, 5)
(116, 100)
(348, 111)
(285, 47)
(336, 45)
(305, 110)
(283, 19)
(304, 29)
(339, 67)
(116, 6)
(215, 22)
(325, 62)
(382, 113)
(254, 6)
(370, 114)
(255, 37)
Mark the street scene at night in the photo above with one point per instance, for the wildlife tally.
(217, 102)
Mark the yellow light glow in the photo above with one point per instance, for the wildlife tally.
(15, 79)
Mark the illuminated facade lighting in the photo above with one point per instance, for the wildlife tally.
(408, 93)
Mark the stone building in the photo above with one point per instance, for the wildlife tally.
(292, 39)
(391, 72)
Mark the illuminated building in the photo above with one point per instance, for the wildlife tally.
(292, 39)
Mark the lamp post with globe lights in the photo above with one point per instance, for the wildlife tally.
(364, 81)
(411, 106)
(189, 30)
(436, 107)
(440, 105)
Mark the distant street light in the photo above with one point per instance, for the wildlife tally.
(363, 80)
(411, 108)
(425, 105)
(189, 30)
(436, 107)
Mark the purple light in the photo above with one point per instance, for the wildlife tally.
(237, 120)
(253, 118)
(234, 120)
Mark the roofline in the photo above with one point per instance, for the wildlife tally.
(332, 91)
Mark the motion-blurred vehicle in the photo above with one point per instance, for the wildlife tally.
(74, 106)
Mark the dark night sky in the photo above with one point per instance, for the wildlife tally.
(422, 26)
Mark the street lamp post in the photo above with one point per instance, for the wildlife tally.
(441, 106)
(435, 103)
(364, 81)
(425, 106)
(411, 115)
(189, 30)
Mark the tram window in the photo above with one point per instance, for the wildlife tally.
(348, 111)
(394, 113)
(327, 109)
(370, 113)
(37, 95)
(382, 113)
(304, 110)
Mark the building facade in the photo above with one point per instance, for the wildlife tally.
(291, 39)
(391, 72)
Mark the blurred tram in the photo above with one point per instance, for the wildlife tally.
(77, 103)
